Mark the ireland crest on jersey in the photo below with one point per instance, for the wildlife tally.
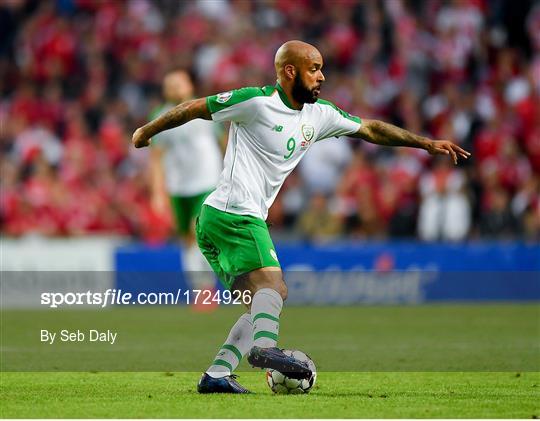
(308, 131)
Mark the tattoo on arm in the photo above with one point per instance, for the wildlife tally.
(381, 133)
(181, 114)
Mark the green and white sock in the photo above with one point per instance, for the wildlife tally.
(266, 307)
(238, 343)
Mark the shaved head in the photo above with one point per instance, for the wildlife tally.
(295, 53)
(298, 69)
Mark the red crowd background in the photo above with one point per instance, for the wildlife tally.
(77, 76)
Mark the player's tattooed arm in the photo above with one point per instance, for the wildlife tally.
(381, 133)
(181, 114)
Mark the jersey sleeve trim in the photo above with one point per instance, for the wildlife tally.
(340, 111)
(225, 100)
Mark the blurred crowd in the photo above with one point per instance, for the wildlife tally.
(77, 76)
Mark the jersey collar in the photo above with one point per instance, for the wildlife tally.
(284, 97)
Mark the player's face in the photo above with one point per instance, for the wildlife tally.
(307, 82)
(178, 87)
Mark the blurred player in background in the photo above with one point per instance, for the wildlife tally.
(185, 165)
(272, 128)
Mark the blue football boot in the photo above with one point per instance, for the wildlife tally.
(275, 359)
(227, 384)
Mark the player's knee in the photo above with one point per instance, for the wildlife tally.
(259, 279)
(278, 284)
(283, 290)
(280, 288)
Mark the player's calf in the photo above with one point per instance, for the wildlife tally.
(265, 310)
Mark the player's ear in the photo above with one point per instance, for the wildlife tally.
(290, 71)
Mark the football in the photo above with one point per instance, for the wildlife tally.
(280, 383)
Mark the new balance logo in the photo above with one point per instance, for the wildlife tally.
(277, 128)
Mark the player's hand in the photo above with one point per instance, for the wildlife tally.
(139, 139)
(444, 147)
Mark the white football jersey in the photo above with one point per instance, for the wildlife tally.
(192, 159)
(267, 139)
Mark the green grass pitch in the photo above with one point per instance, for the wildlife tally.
(437, 361)
(337, 395)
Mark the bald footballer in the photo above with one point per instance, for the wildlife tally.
(272, 128)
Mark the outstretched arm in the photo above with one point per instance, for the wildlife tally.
(381, 133)
(177, 116)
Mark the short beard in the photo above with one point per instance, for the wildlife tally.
(301, 93)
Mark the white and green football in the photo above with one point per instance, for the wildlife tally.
(281, 384)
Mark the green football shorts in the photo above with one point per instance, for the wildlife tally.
(185, 209)
(234, 244)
